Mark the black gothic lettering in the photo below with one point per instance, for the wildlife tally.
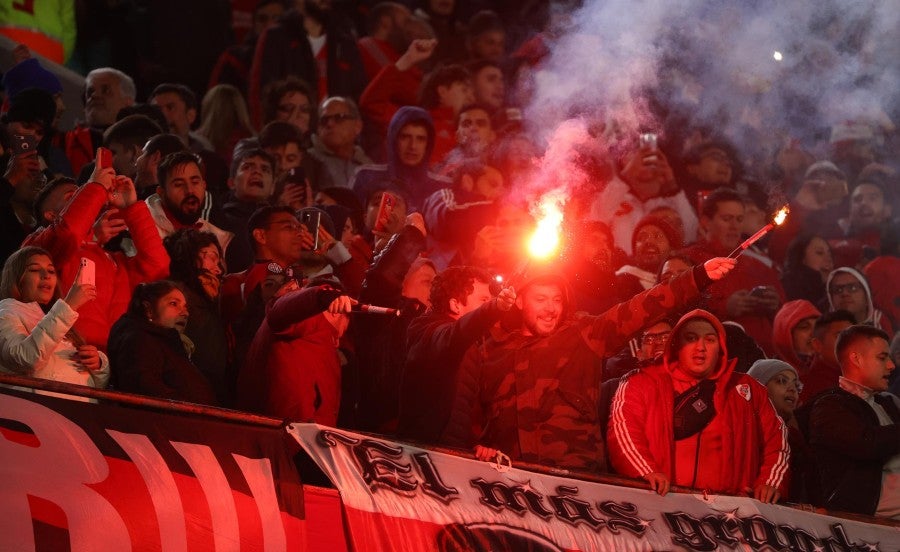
(623, 515)
(380, 468)
(688, 531)
(501, 496)
(759, 532)
(432, 483)
(573, 511)
(328, 438)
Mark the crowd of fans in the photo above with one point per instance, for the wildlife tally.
(343, 161)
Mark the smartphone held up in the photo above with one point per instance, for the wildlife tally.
(385, 210)
(311, 218)
(87, 275)
(23, 144)
(104, 158)
(649, 142)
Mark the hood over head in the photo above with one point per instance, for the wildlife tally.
(670, 358)
(404, 116)
(870, 308)
(789, 315)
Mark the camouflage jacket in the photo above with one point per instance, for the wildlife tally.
(535, 398)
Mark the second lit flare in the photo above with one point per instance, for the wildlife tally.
(778, 220)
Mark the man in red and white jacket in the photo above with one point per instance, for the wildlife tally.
(692, 421)
(97, 212)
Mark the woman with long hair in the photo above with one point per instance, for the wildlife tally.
(806, 266)
(36, 334)
(148, 350)
(198, 265)
(225, 119)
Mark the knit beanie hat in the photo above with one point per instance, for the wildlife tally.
(765, 369)
(826, 167)
(851, 131)
(671, 234)
(31, 105)
(30, 74)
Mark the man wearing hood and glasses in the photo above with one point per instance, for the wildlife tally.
(849, 290)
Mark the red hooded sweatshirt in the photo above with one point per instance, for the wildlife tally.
(789, 315)
(746, 437)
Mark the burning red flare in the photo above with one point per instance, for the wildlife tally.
(779, 219)
(781, 215)
(546, 238)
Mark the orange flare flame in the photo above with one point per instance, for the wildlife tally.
(545, 240)
(781, 215)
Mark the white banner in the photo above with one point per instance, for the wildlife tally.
(399, 497)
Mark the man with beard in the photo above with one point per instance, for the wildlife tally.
(753, 293)
(474, 137)
(652, 241)
(536, 382)
(180, 198)
(870, 212)
(386, 39)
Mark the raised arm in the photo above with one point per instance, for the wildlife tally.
(612, 329)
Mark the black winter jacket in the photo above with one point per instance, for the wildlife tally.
(380, 341)
(851, 448)
(436, 344)
(151, 360)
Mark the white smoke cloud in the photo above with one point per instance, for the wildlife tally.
(716, 63)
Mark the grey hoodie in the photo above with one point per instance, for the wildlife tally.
(873, 315)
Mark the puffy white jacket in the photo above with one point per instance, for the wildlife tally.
(34, 344)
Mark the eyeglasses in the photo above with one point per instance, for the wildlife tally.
(291, 108)
(849, 288)
(336, 118)
(660, 337)
(785, 382)
(286, 225)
